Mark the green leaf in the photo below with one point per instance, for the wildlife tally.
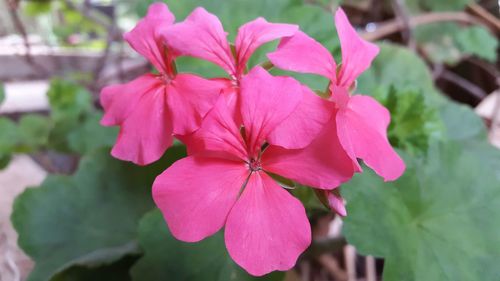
(438, 41)
(461, 122)
(8, 140)
(166, 258)
(36, 8)
(413, 121)
(440, 221)
(91, 135)
(441, 5)
(89, 218)
(399, 67)
(450, 42)
(9, 135)
(2, 93)
(478, 41)
(34, 131)
(68, 100)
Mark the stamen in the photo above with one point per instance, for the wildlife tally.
(254, 165)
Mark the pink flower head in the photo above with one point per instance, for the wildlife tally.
(201, 35)
(151, 108)
(361, 121)
(230, 182)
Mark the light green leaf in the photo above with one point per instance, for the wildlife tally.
(461, 122)
(68, 100)
(478, 41)
(91, 135)
(8, 140)
(438, 41)
(449, 42)
(87, 219)
(399, 67)
(34, 131)
(414, 122)
(440, 5)
(166, 258)
(440, 221)
(9, 135)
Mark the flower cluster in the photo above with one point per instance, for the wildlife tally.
(244, 130)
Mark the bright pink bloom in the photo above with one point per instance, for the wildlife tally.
(201, 35)
(230, 181)
(151, 108)
(361, 121)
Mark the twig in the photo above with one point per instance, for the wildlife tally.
(395, 25)
(437, 69)
(107, 51)
(323, 246)
(371, 270)
(402, 14)
(16, 20)
(333, 267)
(485, 15)
(491, 69)
(91, 14)
(463, 83)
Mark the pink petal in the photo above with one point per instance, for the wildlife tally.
(190, 97)
(218, 133)
(145, 40)
(195, 195)
(146, 132)
(201, 35)
(266, 101)
(336, 203)
(120, 100)
(256, 33)
(362, 130)
(357, 54)
(267, 229)
(323, 164)
(304, 124)
(302, 53)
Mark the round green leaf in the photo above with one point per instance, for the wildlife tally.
(86, 219)
(440, 221)
(399, 67)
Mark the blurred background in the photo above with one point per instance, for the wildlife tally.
(438, 73)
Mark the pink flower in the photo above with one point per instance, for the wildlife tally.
(229, 183)
(151, 108)
(201, 35)
(361, 121)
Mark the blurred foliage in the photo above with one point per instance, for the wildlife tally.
(399, 67)
(438, 222)
(69, 27)
(449, 42)
(72, 125)
(441, 5)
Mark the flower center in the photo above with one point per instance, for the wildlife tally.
(254, 165)
(165, 78)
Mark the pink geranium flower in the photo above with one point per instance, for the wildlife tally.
(201, 35)
(151, 108)
(231, 182)
(361, 121)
